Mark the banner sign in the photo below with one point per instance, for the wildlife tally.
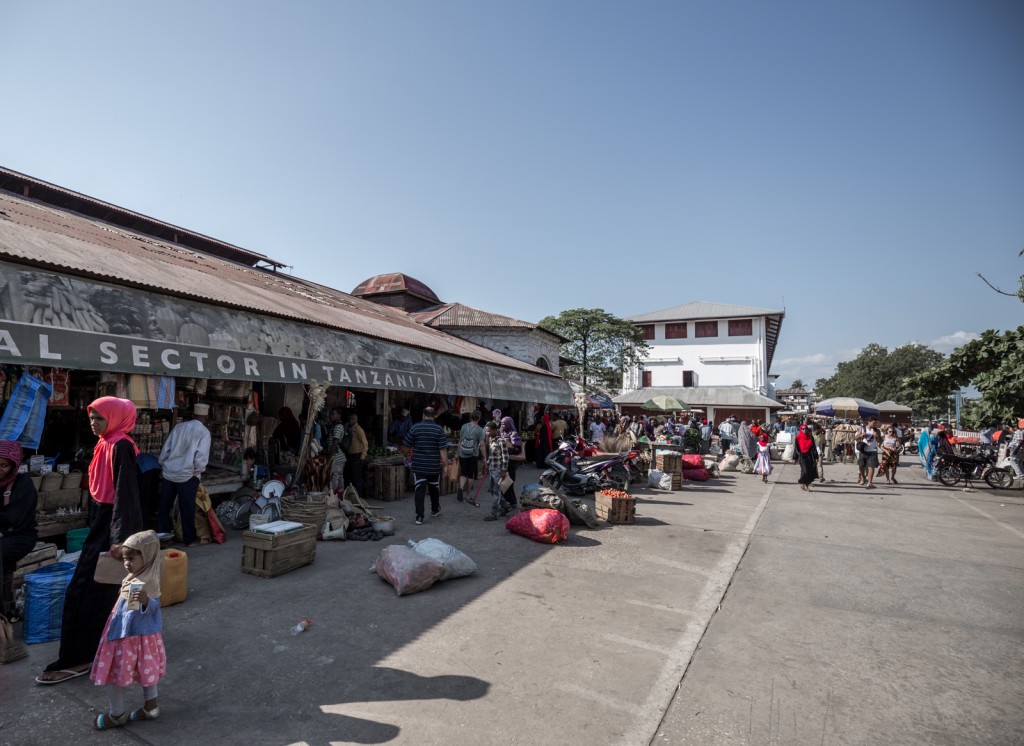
(61, 321)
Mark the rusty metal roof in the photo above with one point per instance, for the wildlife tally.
(395, 282)
(34, 233)
(51, 194)
(452, 315)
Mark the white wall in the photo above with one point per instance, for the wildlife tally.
(715, 361)
(525, 345)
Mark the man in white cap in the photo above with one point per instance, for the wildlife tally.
(183, 460)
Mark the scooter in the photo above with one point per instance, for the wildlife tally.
(564, 473)
(583, 448)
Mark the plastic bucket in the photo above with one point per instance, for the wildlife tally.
(174, 578)
(76, 538)
(44, 601)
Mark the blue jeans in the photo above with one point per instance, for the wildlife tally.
(186, 494)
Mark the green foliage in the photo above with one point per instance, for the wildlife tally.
(797, 384)
(992, 364)
(602, 345)
(691, 438)
(879, 375)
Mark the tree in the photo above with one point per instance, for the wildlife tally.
(602, 345)
(992, 364)
(1020, 290)
(878, 375)
(798, 385)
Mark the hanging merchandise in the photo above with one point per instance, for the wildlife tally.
(60, 381)
(26, 412)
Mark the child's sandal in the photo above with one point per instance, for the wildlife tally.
(143, 714)
(106, 721)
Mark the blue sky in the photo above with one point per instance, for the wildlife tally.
(856, 162)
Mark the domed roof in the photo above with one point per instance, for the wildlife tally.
(395, 282)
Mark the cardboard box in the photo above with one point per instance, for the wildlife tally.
(270, 555)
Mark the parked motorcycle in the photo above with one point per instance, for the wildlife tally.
(980, 466)
(565, 473)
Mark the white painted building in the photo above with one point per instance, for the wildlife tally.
(703, 344)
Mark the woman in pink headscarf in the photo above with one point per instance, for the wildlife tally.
(18, 499)
(116, 514)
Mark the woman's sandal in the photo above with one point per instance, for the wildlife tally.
(143, 714)
(106, 721)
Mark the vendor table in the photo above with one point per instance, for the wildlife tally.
(219, 480)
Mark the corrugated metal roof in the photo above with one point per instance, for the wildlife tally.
(37, 234)
(703, 309)
(456, 314)
(395, 282)
(718, 396)
(27, 186)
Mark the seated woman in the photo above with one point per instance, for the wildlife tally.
(18, 509)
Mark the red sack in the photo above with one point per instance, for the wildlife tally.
(693, 461)
(540, 524)
(216, 529)
(696, 475)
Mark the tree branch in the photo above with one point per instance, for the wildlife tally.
(1001, 292)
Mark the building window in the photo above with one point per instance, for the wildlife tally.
(675, 331)
(741, 327)
(543, 364)
(648, 330)
(645, 379)
(688, 379)
(705, 328)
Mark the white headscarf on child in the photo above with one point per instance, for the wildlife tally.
(148, 544)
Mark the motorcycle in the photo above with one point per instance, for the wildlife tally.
(565, 473)
(582, 448)
(981, 466)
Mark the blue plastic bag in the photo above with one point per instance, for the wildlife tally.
(44, 601)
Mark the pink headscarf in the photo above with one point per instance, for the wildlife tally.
(120, 417)
(10, 450)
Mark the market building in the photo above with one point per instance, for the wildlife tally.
(96, 299)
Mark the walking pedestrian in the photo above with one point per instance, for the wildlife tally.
(427, 446)
(117, 514)
(497, 470)
(131, 647)
(336, 449)
(763, 465)
(807, 457)
(892, 447)
(867, 459)
(183, 460)
(820, 439)
(516, 455)
(471, 440)
(544, 441)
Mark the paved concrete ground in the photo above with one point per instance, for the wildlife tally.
(856, 617)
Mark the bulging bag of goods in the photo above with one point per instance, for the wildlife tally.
(540, 524)
(789, 453)
(407, 570)
(696, 475)
(44, 601)
(456, 564)
(659, 480)
(692, 461)
(730, 462)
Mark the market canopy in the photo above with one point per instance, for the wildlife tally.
(847, 407)
(664, 403)
(891, 407)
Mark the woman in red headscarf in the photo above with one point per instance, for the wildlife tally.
(17, 508)
(544, 442)
(116, 515)
(807, 457)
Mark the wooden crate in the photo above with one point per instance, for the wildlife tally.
(270, 555)
(42, 554)
(388, 483)
(615, 509)
(670, 463)
(677, 481)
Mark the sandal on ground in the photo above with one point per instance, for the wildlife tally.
(895, 482)
(474, 503)
(106, 721)
(64, 674)
(490, 518)
(143, 714)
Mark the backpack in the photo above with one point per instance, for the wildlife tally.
(468, 447)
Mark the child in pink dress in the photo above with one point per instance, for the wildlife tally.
(763, 465)
(132, 645)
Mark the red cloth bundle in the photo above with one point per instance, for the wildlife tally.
(540, 524)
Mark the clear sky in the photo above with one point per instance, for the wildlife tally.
(857, 162)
